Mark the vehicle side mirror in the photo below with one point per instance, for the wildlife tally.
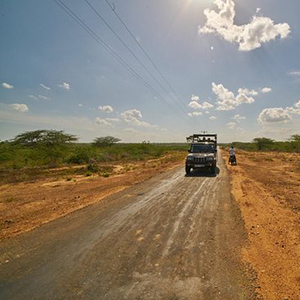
(189, 151)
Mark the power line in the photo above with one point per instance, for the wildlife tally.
(125, 45)
(77, 19)
(132, 53)
(144, 51)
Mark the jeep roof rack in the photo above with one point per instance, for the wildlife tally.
(202, 137)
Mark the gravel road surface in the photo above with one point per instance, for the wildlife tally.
(171, 237)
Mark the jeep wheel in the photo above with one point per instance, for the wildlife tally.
(213, 170)
(187, 170)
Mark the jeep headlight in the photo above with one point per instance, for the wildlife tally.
(190, 158)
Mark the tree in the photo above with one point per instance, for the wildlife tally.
(44, 138)
(295, 142)
(105, 141)
(263, 143)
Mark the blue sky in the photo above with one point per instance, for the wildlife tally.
(233, 64)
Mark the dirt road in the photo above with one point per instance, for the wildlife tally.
(171, 237)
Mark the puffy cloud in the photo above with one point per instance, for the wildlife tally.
(247, 92)
(195, 98)
(213, 118)
(238, 118)
(7, 85)
(45, 87)
(131, 114)
(278, 114)
(195, 114)
(227, 100)
(20, 107)
(243, 98)
(196, 105)
(266, 90)
(273, 115)
(206, 105)
(100, 121)
(134, 116)
(65, 86)
(231, 125)
(106, 108)
(249, 36)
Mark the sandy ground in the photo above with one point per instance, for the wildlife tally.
(25, 206)
(267, 189)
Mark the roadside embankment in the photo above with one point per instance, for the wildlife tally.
(266, 187)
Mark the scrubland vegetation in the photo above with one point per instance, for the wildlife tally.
(266, 144)
(33, 153)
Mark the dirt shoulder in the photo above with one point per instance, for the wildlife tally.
(266, 187)
(25, 206)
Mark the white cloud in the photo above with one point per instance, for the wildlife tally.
(249, 36)
(294, 73)
(266, 90)
(258, 10)
(196, 105)
(38, 97)
(206, 105)
(65, 86)
(7, 85)
(247, 92)
(226, 100)
(131, 114)
(273, 115)
(80, 105)
(238, 118)
(106, 108)
(100, 121)
(20, 107)
(278, 115)
(134, 116)
(231, 125)
(112, 119)
(213, 118)
(195, 98)
(195, 114)
(43, 97)
(33, 97)
(45, 87)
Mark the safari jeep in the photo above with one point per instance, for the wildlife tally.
(202, 153)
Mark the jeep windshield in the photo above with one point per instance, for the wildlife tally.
(205, 148)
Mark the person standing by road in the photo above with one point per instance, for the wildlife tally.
(232, 158)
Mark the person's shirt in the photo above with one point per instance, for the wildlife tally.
(232, 151)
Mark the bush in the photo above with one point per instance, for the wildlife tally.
(105, 141)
